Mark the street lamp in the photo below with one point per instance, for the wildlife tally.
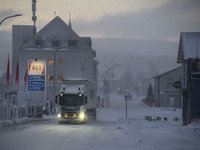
(17, 15)
(0, 25)
(107, 73)
(84, 64)
(54, 80)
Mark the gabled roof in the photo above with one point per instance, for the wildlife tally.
(161, 74)
(58, 28)
(189, 46)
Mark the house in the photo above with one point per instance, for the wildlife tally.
(34, 66)
(167, 89)
(189, 57)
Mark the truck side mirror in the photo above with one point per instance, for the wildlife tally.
(56, 100)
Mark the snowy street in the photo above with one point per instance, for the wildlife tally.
(100, 75)
(111, 131)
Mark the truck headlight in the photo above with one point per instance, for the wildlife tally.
(59, 115)
(82, 115)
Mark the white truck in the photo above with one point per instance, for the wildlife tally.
(77, 101)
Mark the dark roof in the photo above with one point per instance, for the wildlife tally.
(58, 28)
(189, 46)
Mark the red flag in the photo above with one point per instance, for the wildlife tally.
(8, 72)
(17, 76)
(25, 79)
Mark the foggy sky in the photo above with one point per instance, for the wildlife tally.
(135, 19)
(146, 26)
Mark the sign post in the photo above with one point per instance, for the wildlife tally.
(126, 95)
(37, 77)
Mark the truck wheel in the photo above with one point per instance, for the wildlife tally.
(93, 116)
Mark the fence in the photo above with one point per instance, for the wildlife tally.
(14, 112)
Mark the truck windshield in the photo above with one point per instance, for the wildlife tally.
(71, 100)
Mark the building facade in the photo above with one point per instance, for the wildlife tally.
(189, 57)
(167, 89)
(74, 59)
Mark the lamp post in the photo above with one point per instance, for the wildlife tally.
(17, 15)
(84, 65)
(54, 80)
(107, 72)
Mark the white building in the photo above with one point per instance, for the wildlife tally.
(168, 89)
(74, 59)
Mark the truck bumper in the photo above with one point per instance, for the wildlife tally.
(60, 120)
(78, 119)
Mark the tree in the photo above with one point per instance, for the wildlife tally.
(150, 94)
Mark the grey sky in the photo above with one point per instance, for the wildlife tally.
(136, 19)
(161, 23)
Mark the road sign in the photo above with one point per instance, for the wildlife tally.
(177, 84)
(39, 83)
(36, 67)
(36, 88)
(36, 77)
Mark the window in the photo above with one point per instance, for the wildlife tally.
(60, 78)
(72, 42)
(50, 77)
(50, 61)
(60, 61)
(170, 82)
(38, 43)
(171, 101)
(55, 43)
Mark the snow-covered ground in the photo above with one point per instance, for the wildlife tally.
(111, 131)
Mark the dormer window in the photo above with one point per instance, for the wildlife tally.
(39, 41)
(72, 42)
(56, 42)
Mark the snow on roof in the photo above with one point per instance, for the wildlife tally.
(189, 46)
(58, 28)
(72, 89)
(85, 79)
(167, 72)
(149, 75)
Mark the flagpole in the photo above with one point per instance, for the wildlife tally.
(17, 77)
(8, 73)
(7, 79)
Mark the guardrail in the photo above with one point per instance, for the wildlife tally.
(14, 112)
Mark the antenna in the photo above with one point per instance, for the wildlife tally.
(70, 24)
(34, 17)
(197, 48)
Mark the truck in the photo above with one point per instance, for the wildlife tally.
(77, 100)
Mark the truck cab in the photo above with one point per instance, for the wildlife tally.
(73, 103)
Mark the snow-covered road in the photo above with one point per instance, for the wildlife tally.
(111, 131)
